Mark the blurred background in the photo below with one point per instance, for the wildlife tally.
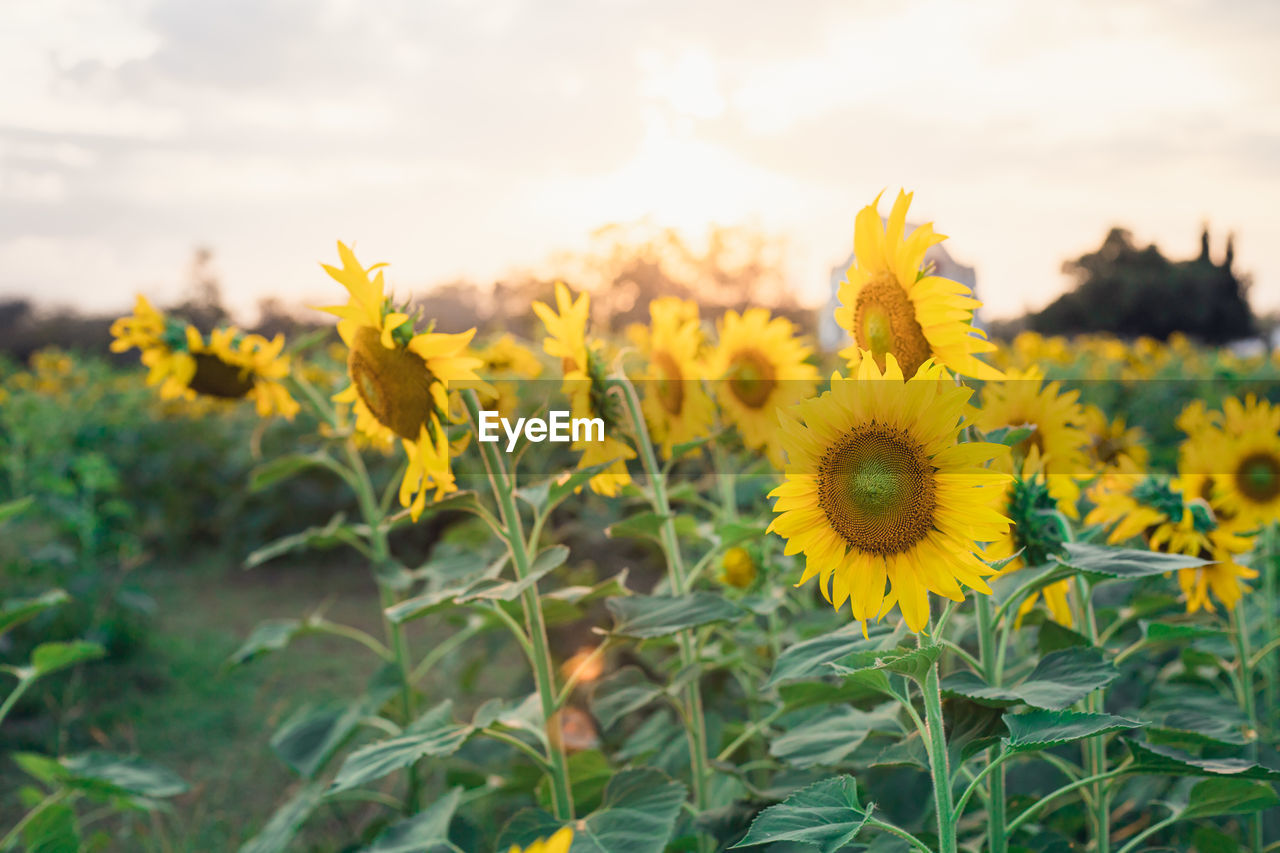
(209, 154)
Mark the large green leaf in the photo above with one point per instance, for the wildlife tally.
(18, 610)
(620, 693)
(913, 663)
(116, 774)
(829, 737)
(1158, 759)
(427, 829)
(53, 830)
(1058, 681)
(1043, 729)
(283, 467)
(1219, 796)
(48, 658)
(810, 657)
(646, 616)
(637, 815)
(1125, 563)
(496, 589)
(311, 734)
(825, 815)
(335, 532)
(434, 733)
(287, 820)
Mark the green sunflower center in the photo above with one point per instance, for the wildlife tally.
(216, 378)
(1258, 477)
(670, 382)
(1037, 531)
(752, 378)
(884, 321)
(877, 489)
(394, 384)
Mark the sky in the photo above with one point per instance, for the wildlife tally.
(466, 139)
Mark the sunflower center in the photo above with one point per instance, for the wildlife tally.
(884, 321)
(752, 378)
(394, 384)
(216, 378)
(670, 382)
(1258, 477)
(877, 489)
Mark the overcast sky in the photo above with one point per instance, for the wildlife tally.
(461, 139)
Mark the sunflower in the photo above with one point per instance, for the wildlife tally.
(584, 383)
(505, 361)
(676, 406)
(227, 365)
(1115, 446)
(738, 569)
(879, 490)
(399, 379)
(1054, 419)
(1232, 458)
(760, 364)
(558, 843)
(1160, 512)
(891, 304)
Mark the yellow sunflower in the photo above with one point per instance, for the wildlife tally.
(880, 491)
(584, 384)
(558, 843)
(760, 367)
(1232, 459)
(738, 569)
(892, 305)
(676, 406)
(1054, 419)
(506, 361)
(1162, 514)
(1115, 446)
(399, 379)
(227, 365)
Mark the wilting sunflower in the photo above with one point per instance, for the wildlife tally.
(892, 305)
(1158, 511)
(676, 406)
(399, 379)
(1115, 446)
(1036, 536)
(879, 491)
(759, 366)
(1054, 418)
(585, 385)
(558, 843)
(228, 365)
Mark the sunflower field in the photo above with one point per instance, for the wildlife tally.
(699, 587)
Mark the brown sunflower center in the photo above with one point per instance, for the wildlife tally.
(1258, 477)
(752, 378)
(216, 378)
(878, 489)
(670, 382)
(394, 384)
(884, 321)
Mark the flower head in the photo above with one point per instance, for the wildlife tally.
(557, 843)
(676, 406)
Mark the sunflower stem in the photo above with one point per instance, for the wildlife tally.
(725, 482)
(1248, 702)
(939, 764)
(1095, 748)
(535, 623)
(1269, 566)
(997, 834)
(696, 723)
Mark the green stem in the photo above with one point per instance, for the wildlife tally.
(12, 837)
(1149, 831)
(725, 482)
(694, 715)
(997, 833)
(1036, 807)
(1248, 702)
(516, 743)
(12, 698)
(876, 823)
(939, 763)
(1095, 748)
(543, 673)
(1269, 568)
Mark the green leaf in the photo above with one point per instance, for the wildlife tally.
(496, 589)
(116, 774)
(1058, 681)
(18, 610)
(1177, 632)
(434, 733)
(421, 832)
(48, 658)
(826, 815)
(1042, 729)
(645, 525)
(270, 636)
(637, 815)
(562, 486)
(913, 663)
(1159, 759)
(287, 820)
(310, 736)
(12, 509)
(828, 738)
(335, 532)
(678, 451)
(1217, 797)
(282, 468)
(1190, 725)
(1207, 838)
(646, 616)
(53, 830)
(1123, 562)
(621, 693)
(810, 658)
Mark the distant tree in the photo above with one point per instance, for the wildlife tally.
(1131, 291)
(202, 306)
